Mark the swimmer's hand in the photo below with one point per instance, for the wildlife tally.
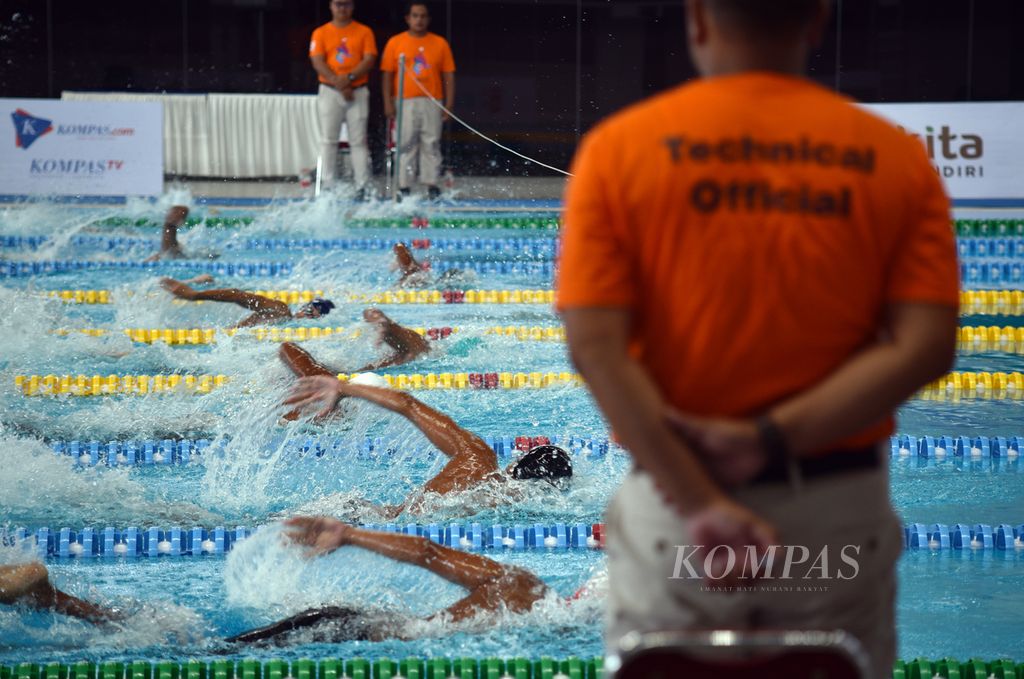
(312, 391)
(318, 534)
(177, 288)
(730, 449)
(176, 215)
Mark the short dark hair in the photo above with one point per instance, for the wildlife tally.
(765, 16)
(410, 5)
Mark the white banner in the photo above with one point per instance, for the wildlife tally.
(977, 148)
(83, 149)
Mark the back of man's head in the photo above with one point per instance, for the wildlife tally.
(765, 18)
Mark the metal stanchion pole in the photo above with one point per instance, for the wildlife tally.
(398, 126)
(319, 173)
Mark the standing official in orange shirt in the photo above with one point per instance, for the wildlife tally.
(429, 77)
(342, 52)
(754, 274)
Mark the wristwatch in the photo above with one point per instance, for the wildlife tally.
(772, 440)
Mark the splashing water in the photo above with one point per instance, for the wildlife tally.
(41, 488)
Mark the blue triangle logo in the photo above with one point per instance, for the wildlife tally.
(28, 128)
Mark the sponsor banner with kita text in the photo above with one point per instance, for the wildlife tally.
(977, 148)
(70, 148)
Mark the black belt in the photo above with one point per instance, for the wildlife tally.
(830, 463)
(355, 87)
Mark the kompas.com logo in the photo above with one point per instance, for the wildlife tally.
(28, 128)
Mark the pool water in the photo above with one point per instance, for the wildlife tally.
(956, 604)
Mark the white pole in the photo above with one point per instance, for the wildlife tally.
(319, 171)
(398, 126)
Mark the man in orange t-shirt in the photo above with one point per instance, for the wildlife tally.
(429, 77)
(342, 52)
(754, 274)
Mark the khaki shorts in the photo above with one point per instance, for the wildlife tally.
(651, 588)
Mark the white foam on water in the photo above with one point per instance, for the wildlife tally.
(42, 488)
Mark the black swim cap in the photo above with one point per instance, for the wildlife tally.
(543, 462)
(322, 305)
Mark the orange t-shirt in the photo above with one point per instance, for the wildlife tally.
(755, 226)
(426, 59)
(343, 48)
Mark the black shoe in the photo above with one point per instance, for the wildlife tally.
(360, 196)
(402, 193)
(433, 193)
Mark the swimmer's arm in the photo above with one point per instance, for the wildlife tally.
(918, 346)
(403, 353)
(266, 310)
(392, 360)
(301, 362)
(262, 318)
(598, 340)
(325, 534)
(169, 246)
(30, 584)
(491, 585)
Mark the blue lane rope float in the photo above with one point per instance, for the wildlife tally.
(1010, 248)
(261, 269)
(976, 273)
(541, 246)
(10, 269)
(173, 452)
(154, 541)
(981, 247)
(536, 247)
(131, 542)
(544, 269)
(967, 447)
(970, 273)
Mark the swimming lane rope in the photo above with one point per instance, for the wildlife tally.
(540, 296)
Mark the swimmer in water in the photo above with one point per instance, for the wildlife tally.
(30, 584)
(169, 246)
(472, 463)
(416, 275)
(265, 310)
(493, 587)
(406, 345)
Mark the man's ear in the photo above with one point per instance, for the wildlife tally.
(697, 22)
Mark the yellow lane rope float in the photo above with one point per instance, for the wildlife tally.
(999, 302)
(108, 385)
(141, 385)
(542, 296)
(981, 385)
(957, 385)
(970, 339)
(195, 336)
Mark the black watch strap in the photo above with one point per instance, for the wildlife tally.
(772, 439)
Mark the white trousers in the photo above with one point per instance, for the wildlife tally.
(420, 140)
(651, 590)
(333, 109)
